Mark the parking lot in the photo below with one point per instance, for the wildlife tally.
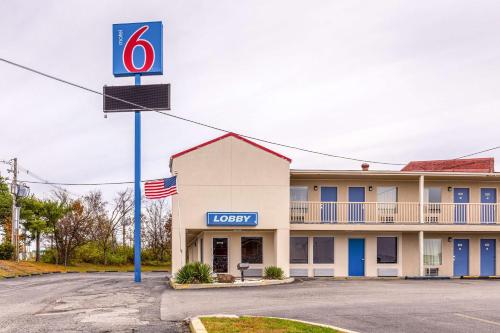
(361, 305)
(100, 302)
(111, 302)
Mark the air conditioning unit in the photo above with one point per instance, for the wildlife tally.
(386, 219)
(431, 219)
(432, 271)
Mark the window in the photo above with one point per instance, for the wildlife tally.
(298, 205)
(298, 250)
(432, 198)
(323, 250)
(251, 250)
(432, 194)
(387, 196)
(298, 193)
(432, 252)
(387, 250)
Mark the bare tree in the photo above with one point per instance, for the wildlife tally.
(72, 230)
(157, 229)
(105, 225)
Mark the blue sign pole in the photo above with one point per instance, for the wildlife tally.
(137, 50)
(137, 192)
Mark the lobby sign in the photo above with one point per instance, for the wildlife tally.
(230, 219)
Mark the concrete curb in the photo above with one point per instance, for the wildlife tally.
(261, 283)
(477, 277)
(67, 272)
(420, 278)
(196, 325)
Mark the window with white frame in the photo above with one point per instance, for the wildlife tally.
(433, 252)
(387, 198)
(298, 203)
(298, 193)
(432, 199)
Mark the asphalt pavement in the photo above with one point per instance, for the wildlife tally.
(84, 302)
(112, 302)
(360, 305)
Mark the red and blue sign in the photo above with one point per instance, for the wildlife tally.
(138, 49)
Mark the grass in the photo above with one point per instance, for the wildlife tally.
(12, 268)
(259, 325)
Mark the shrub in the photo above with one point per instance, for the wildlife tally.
(194, 272)
(122, 255)
(91, 253)
(49, 256)
(273, 273)
(6, 251)
(88, 253)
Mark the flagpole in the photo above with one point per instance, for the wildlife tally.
(180, 222)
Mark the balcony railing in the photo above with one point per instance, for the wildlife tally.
(392, 212)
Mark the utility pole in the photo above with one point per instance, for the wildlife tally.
(14, 205)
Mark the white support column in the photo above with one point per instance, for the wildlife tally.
(421, 190)
(421, 252)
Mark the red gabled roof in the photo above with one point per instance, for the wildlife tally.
(234, 135)
(485, 165)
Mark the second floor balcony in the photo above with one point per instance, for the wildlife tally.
(393, 212)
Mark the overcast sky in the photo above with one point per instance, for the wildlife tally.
(378, 80)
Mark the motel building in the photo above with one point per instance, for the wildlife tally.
(240, 202)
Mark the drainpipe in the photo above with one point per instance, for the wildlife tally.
(421, 220)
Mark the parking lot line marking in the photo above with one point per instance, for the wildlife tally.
(478, 319)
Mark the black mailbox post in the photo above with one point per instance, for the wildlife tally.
(242, 267)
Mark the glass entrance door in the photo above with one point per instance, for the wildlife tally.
(220, 255)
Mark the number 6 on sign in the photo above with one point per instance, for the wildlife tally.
(137, 49)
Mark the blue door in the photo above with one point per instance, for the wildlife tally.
(488, 209)
(461, 199)
(488, 257)
(356, 257)
(461, 257)
(356, 204)
(328, 204)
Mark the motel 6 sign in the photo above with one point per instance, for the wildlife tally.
(137, 49)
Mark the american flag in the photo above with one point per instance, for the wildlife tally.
(161, 188)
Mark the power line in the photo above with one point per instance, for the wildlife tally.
(43, 181)
(478, 152)
(46, 182)
(79, 184)
(194, 121)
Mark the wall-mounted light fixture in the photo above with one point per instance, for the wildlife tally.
(315, 187)
(450, 239)
(450, 188)
(370, 188)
